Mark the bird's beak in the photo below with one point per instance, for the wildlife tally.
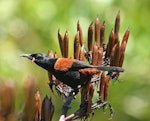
(27, 56)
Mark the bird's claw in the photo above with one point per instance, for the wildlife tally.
(82, 111)
(63, 90)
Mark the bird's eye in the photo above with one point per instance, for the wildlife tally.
(39, 56)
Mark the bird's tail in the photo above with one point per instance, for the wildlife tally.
(110, 68)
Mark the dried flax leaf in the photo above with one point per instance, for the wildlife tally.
(50, 54)
(123, 46)
(117, 54)
(80, 33)
(106, 88)
(66, 45)
(97, 31)
(29, 110)
(61, 42)
(47, 109)
(117, 27)
(84, 91)
(76, 46)
(102, 85)
(89, 98)
(38, 106)
(82, 53)
(126, 36)
(102, 35)
(100, 56)
(95, 55)
(90, 36)
(112, 59)
(7, 101)
(110, 44)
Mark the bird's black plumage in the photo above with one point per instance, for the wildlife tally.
(69, 71)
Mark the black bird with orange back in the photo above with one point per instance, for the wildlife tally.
(71, 72)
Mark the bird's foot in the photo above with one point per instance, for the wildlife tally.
(61, 88)
(64, 89)
(81, 113)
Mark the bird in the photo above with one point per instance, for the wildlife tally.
(69, 71)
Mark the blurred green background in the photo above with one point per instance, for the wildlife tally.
(29, 26)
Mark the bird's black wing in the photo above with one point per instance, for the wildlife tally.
(81, 65)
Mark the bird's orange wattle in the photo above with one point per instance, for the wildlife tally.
(33, 59)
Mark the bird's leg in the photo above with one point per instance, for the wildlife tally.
(87, 92)
(66, 105)
(86, 102)
(80, 113)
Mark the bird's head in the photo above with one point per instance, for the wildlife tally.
(39, 58)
